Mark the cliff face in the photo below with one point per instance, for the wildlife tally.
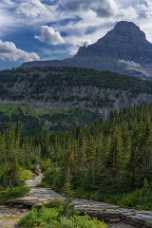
(126, 41)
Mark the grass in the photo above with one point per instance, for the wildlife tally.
(12, 193)
(58, 217)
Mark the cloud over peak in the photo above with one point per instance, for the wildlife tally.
(50, 35)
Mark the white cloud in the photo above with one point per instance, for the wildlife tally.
(133, 66)
(50, 35)
(93, 13)
(32, 12)
(104, 7)
(9, 51)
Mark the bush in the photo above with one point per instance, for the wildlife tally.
(25, 174)
(140, 199)
(12, 193)
(53, 177)
(53, 217)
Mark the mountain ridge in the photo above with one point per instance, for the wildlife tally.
(126, 41)
(124, 50)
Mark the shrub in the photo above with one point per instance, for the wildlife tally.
(53, 217)
(25, 174)
(140, 199)
(11, 193)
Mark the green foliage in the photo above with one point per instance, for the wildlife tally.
(16, 158)
(55, 218)
(11, 193)
(110, 156)
(140, 199)
(25, 174)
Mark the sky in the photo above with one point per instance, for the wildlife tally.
(55, 29)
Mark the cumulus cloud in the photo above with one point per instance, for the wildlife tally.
(35, 12)
(50, 36)
(89, 19)
(133, 66)
(130, 64)
(103, 7)
(9, 51)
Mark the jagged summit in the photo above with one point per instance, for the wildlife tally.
(126, 41)
(126, 26)
(128, 31)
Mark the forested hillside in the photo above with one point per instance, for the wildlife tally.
(108, 157)
(90, 90)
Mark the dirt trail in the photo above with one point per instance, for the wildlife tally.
(9, 217)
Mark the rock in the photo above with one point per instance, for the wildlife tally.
(114, 214)
(38, 196)
(35, 181)
(9, 217)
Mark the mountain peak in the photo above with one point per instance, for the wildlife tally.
(124, 49)
(126, 24)
(126, 41)
(127, 28)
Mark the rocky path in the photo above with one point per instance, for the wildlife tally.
(9, 217)
(116, 217)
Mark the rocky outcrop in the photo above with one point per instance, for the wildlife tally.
(126, 41)
(114, 214)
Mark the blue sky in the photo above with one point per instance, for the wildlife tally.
(55, 29)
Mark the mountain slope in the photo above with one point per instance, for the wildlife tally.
(124, 50)
(72, 88)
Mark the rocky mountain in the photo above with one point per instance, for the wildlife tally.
(124, 49)
(126, 41)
